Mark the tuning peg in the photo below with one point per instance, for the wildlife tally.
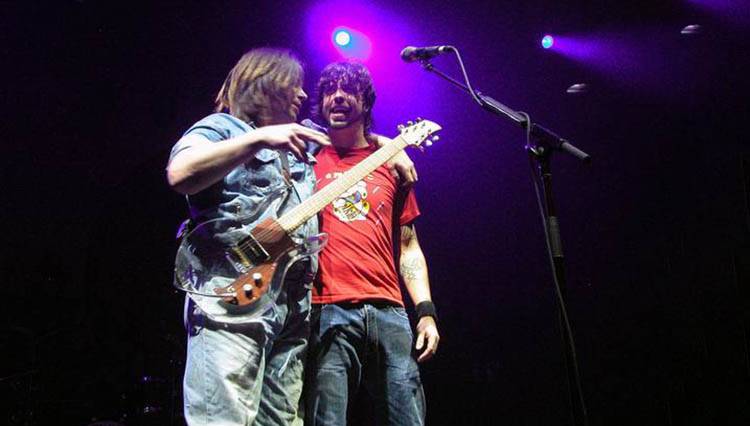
(411, 123)
(435, 138)
(428, 142)
(400, 127)
(419, 119)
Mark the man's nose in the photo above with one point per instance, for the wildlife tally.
(339, 96)
(301, 95)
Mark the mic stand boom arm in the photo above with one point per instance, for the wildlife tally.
(543, 137)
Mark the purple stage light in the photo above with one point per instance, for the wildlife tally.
(342, 37)
(594, 49)
(691, 29)
(352, 44)
(548, 41)
(578, 88)
(633, 59)
(329, 25)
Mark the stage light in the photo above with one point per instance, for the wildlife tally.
(351, 43)
(691, 29)
(342, 37)
(547, 41)
(578, 88)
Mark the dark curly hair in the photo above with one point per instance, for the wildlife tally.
(355, 79)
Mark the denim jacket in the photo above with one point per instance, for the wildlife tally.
(255, 189)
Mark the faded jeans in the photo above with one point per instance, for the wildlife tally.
(249, 373)
(362, 345)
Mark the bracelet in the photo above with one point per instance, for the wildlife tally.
(426, 309)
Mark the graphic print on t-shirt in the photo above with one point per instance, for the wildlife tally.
(352, 205)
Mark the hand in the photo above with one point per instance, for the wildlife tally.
(400, 165)
(427, 330)
(292, 137)
(403, 168)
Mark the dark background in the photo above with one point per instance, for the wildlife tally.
(655, 230)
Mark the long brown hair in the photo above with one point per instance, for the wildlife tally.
(262, 82)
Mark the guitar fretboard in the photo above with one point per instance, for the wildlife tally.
(310, 207)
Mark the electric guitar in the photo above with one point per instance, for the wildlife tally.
(231, 271)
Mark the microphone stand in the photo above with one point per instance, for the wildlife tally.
(545, 143)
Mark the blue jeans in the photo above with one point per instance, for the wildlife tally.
(362, 345)
(248, 373)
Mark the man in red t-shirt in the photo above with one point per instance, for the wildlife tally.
(361, 335)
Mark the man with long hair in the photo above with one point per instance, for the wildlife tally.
(249, 161)
(361, 337)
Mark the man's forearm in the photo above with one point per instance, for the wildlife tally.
(414, 273)
(413, 266)
(206, 163)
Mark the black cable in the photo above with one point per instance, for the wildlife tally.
(466, 77)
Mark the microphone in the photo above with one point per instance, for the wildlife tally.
(313, 125)
(411, 53)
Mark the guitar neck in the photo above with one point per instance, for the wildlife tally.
(310, 207)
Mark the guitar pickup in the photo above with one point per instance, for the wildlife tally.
(250, 251)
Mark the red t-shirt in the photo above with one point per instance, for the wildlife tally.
(357, 264)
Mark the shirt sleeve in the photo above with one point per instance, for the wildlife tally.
(213, 128)
(410, 208)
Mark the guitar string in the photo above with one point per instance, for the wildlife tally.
(348, 180)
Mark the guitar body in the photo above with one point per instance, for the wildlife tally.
(233, 273)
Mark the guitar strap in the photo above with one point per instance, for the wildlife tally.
(286, 174)
(285, 168)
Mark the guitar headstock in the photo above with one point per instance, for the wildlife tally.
(421, 131)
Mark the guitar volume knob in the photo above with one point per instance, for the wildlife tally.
(248, 290)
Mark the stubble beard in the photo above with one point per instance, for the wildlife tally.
(343, 124)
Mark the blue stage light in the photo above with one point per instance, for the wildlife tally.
(547, 41)
(342, 37)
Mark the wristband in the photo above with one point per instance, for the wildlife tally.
(426, 309)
